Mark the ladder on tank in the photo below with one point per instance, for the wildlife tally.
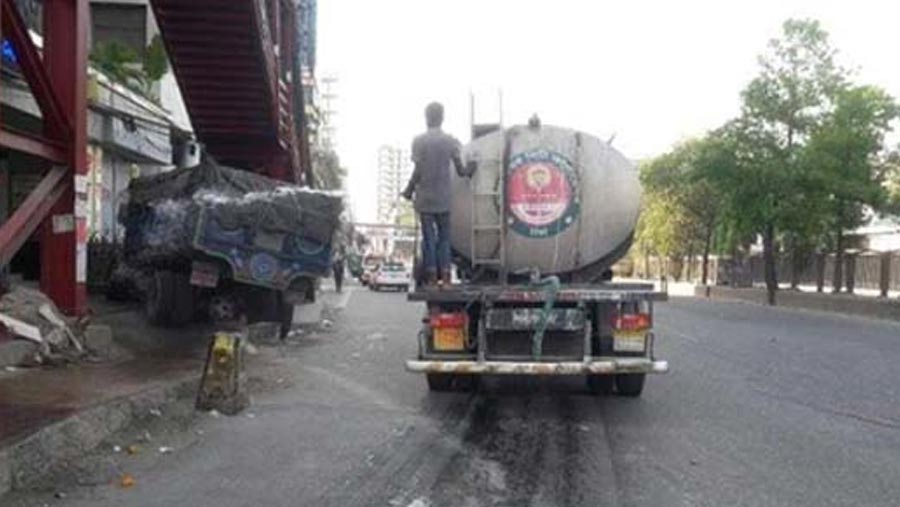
(482, 198)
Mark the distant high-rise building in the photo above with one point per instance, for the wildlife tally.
(394, 170)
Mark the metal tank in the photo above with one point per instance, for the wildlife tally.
(572, 202)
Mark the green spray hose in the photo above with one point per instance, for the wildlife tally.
(551, 288)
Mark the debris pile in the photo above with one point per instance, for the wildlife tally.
(30, 315)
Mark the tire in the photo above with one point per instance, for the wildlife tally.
(160, 300)
(405, 288)
(601, 385)
(447, 382)
(183, 313)
(376, 288)
(630, 384)
(440, 382)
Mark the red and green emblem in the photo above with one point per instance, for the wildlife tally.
(541, 193)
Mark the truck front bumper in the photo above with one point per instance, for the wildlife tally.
(597, 366)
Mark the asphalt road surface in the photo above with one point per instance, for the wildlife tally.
(762, 407)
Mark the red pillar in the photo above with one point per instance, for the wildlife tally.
(64, 234)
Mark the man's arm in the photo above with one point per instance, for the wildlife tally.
(417, 171)
(463, 170)
(413, 181)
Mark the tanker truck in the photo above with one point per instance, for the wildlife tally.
(534, 231)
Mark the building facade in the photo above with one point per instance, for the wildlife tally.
(394, 170)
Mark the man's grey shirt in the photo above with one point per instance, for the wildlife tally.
(432, 154)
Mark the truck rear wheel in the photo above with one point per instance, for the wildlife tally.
(158, 301)
(444, 382)
(440, 382)
(600, 384)
(630, 384)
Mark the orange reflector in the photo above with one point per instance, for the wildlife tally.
(449, 331)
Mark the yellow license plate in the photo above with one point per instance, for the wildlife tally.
(449, 339)
(629, 341)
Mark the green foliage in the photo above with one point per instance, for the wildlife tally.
(125, 66)
(798, 167)
(842, 154)
(118, 61)
(156, 63)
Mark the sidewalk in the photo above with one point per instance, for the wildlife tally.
(52, 414)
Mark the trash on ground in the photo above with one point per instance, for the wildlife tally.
(133, 449)
(146, 436)
(165, 450)
(214, 413)
(155, 412)
(251, 349)
(117, 448)
(59, 495)
(11, 369)
(251, 415)
(127, 481)
(31, 315)
(327, 324)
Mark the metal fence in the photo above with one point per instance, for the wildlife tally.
(873, 271)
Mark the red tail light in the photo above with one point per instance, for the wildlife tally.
(632, 322)
(449, 320)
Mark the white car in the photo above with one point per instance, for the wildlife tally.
(391, 274)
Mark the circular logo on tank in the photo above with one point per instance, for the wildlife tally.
(541, 193)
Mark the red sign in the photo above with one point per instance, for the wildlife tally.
(539, 193)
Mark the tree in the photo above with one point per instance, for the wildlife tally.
(692, 207)
(797, 79)
(842, 154)
(328, 173)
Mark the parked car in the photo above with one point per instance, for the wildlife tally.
(391, 275)
(370, 264)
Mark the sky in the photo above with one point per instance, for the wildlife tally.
(649, 73)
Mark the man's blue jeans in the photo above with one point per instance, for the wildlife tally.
(435, 242)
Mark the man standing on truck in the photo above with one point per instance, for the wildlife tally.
(432, 154)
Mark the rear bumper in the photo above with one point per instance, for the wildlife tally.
(597, 366)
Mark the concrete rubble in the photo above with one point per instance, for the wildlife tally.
(28, 314)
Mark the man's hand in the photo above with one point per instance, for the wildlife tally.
(471, 167)
(407, 194)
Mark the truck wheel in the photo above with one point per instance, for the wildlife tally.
(600, 384)
(440, 382)
(160, 298)
(445, 382)
(630, 384)
(183, 311)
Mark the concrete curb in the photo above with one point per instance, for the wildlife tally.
(26, 462)
(845, 304)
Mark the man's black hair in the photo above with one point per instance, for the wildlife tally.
(434, 114)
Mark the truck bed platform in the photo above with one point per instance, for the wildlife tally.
(468, 293)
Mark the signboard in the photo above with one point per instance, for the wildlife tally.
(541, 192)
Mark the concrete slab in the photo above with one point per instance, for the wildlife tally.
(16, 352)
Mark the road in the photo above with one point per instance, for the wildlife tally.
(762, 407)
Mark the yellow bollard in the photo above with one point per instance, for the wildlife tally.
(222, 384)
